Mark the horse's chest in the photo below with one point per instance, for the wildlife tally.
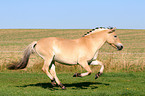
(92, 57)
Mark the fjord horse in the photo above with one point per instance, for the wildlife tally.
(82, 51)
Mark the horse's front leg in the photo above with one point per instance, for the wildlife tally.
(96, 62)
(85, 65)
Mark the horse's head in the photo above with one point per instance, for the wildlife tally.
(113, 39)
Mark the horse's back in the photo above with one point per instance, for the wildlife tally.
(63, 50)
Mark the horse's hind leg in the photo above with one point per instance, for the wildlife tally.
(52, 71)
(45, 68)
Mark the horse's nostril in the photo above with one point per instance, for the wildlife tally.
(121, 47)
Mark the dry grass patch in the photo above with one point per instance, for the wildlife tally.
(131, 58)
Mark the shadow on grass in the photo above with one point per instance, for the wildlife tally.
(81, 85)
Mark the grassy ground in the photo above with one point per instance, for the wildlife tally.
(109, 84)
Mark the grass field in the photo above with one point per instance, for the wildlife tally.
(110, 84)
(123, 74)
(131, 58)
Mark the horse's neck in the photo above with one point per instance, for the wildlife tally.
(96, 40)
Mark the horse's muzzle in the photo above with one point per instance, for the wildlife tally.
(119, 46)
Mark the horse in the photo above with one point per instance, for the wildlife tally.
(82, 51)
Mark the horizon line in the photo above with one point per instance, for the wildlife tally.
(72, 28)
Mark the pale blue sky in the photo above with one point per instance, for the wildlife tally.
(72, 14)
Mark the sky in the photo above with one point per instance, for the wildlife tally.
(72, 14)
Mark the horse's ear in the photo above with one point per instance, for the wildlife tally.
(112, 30)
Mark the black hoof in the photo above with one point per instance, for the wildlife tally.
(98, 75)
(77, 75)
(62, 86)
(53, 83)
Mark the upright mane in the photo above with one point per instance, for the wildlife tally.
(96, 30)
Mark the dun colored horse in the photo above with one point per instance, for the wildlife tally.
(82, 51)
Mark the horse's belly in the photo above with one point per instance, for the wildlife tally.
(65, 59)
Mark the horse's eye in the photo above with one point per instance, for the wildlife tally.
(115, 36)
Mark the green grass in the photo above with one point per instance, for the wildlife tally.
(37, 84)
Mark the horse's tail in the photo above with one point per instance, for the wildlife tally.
(24, 61)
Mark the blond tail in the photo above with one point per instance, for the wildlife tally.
(24, 61)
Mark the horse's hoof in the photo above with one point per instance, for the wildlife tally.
(62, 86)
(53, 83)
(97, 75)
(77, 75)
